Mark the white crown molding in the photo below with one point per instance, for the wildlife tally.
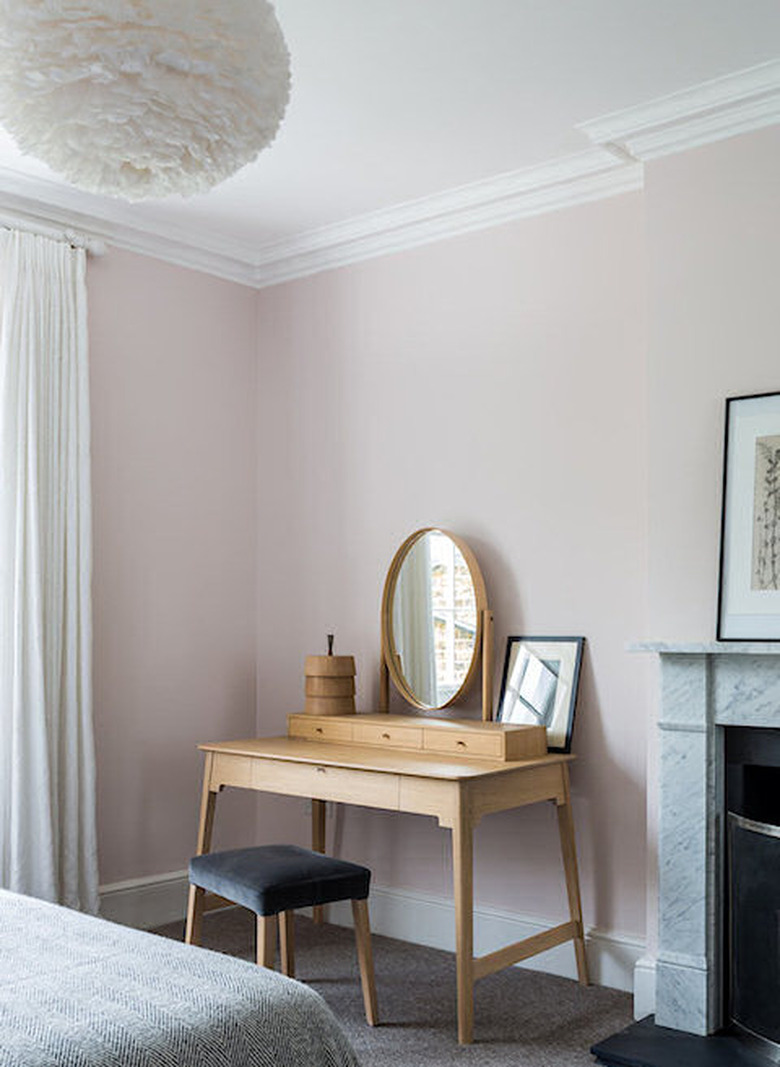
(711, 111)
(622, 141)
(590, 175)
(45, 204)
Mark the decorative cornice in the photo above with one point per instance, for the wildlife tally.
(590, 175)
(708, 112)
(47, 203)
(711, 111)
(576, 179)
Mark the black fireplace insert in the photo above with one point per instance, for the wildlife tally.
(752, 978)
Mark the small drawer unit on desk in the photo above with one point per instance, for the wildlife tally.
(389, 736)
(487, 740)
(423, 733)
(319, 728)
(463, 743)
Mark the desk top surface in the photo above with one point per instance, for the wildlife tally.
(370, 758)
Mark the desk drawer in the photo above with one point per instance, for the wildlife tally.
(230, 769)
(464, 743)
(317, 728)
(389, 736)
(370, 789)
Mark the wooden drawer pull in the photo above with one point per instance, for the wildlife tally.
(461, 744)
(318, 729)
(386, 737)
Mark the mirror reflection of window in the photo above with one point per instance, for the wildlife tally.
(531, 689)
(413, 623)
(454, 615)
(434, 619)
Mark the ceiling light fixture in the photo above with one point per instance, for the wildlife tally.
(142, 98)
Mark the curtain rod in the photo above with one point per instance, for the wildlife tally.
(93, 246)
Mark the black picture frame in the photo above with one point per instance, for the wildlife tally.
(539, 685)
(749, 564)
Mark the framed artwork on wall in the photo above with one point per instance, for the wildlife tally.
(539, 685)
(749, 585)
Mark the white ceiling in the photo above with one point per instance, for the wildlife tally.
(394, 100)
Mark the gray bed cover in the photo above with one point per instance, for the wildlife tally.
(76, 991)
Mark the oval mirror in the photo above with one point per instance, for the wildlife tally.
(432, 618)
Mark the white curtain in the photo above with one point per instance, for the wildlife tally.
(47, 767)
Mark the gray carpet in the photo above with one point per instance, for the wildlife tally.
(523, 1019)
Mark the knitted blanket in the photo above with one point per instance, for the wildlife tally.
(76, 991)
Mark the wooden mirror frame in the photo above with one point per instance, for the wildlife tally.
(483, 643)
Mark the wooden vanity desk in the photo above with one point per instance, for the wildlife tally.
(455, 770)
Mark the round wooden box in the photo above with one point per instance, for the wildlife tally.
(330, 685)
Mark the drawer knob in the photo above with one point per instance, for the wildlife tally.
(462, 744)
(386, 737)
(318, 729)
(320, 770)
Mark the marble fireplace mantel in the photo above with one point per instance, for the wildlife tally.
(704, 686)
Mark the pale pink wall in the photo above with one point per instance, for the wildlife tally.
(713, 225)
(173, 378)
(713, 222)
(492, 384)
(520, 351)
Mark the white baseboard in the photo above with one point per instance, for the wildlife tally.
(644, 987)
(428, 920)
(146, 902)
(422, 919)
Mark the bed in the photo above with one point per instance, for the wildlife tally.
(76, 991)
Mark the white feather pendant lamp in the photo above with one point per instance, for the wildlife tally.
(142, 98)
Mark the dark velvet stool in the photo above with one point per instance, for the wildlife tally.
(274, 880)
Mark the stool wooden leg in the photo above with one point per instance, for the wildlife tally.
(266, 940)
(287, 942)
(194, 915)
(365, 959)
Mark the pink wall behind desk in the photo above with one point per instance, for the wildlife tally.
(492, 384)
(258, 457)
(713, 226)
(173, 378)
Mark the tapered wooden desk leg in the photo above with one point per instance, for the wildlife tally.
(569, 852)
(463, 872)
(318, 844)
(208, 802)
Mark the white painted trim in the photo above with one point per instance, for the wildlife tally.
(590, 175)
(711, 111)
(695, 116)
(40, 202)
(644, 987)
(420, 918)
(577, 179)
(427, 920)
(146, 902)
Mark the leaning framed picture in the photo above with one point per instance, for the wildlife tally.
(539, 685)
(749, 585)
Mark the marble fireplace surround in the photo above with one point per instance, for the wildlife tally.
(704, 687)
